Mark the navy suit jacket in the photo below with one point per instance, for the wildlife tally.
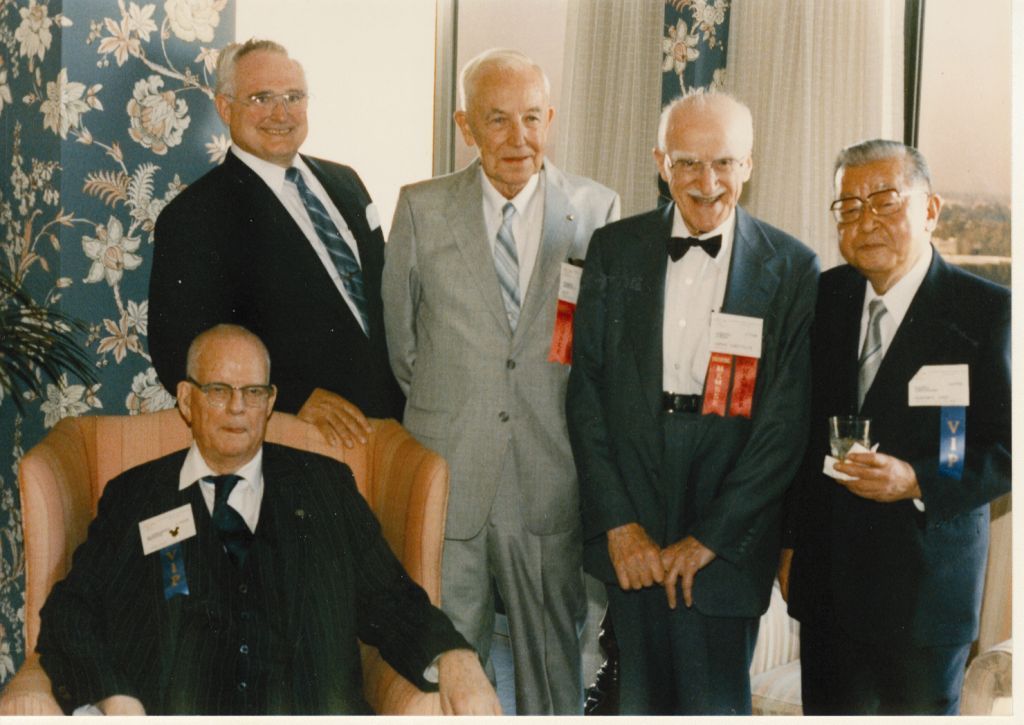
(886, 571)
(107, 628)
(743, 466)
(228, 251)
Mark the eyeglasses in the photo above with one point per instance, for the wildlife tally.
(881, 203)
(219, 394)
(696, 167)
(267, 100)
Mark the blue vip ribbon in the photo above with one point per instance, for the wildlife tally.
(173, 564)
(952, 441)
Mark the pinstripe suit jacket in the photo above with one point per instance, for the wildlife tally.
(107, 629)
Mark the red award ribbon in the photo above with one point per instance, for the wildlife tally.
(561, 340)
(716, 384)
(742, 400)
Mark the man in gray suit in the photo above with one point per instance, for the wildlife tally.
(476, 335)
(688, 409)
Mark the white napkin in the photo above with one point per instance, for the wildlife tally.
(830, 462)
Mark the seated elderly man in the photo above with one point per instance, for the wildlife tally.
(235, 577)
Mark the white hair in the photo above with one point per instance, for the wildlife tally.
(496, 59)
(699, 99)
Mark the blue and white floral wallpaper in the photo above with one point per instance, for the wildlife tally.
(693, 48)
(106, 113)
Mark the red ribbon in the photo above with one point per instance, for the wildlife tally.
(561, 340)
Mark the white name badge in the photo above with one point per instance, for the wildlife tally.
(167, 528)
(569, 283)
(940, 385)
(736, 334)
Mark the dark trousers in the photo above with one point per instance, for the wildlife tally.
(840, 676)
(679, 662)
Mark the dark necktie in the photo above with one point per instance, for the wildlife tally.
(231, 527)
(678, 246)
(341, 254)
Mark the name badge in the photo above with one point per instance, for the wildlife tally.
(166, 529)
(736, 334)
(568, 293)
(940, 385)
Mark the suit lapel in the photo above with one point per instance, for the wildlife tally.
(557, 234)
(465, 216)
(924, 331)
(286, 514)
(753, 278)
(645, 295)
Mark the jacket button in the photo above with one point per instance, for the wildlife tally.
(503, 416)
(510, 364)
(243, 589)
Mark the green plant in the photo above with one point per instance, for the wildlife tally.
(36, 343)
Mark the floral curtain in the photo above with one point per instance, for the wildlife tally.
(105, 115)
(694, 45)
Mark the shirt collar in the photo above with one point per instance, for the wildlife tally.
(496, 201)
(727, 229)
(898, 297)
(196, 468)
(272, 174)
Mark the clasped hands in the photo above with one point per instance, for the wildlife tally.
(640, 563)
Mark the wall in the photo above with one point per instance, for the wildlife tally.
(105, 113)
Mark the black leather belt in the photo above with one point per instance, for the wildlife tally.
(672, 403)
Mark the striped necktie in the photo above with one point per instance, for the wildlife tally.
(341, 253)
(871, 353)
(231, 527)
(506, 264)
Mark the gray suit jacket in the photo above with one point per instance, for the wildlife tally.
(742, 466)
(474, 387)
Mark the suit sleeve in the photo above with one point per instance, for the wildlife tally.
(400, 290)
(190, 286)
(394, 614)
(74, 649)
(603, 498)
(750, 498)
(987, 458)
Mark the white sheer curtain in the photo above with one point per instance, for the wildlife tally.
(818, 75)
(611, 96)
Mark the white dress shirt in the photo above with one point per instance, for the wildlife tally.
(694, 288)
(288, 195)
(246, 496)
(526, 224)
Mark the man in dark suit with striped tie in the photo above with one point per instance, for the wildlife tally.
(235, 577)
(287, 245)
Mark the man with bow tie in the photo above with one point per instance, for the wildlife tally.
(687, 410)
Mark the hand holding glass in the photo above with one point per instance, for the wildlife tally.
(844, 431)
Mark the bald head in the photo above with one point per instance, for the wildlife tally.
(224, 337)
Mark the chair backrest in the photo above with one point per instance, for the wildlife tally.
(61, 480)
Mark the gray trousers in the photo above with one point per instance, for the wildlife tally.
(540, 580)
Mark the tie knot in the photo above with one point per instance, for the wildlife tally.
(293, 175)
(223, 485)
(876, 307)
(508, 211)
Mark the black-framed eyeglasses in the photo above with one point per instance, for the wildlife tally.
(696, 167)
(268, 100)
(881, 203)
(219, 394)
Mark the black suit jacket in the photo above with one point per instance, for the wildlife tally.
(107, 628)
(886, 571)
(228, 251)
(743, 466)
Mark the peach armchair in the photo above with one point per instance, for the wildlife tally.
(61, 480)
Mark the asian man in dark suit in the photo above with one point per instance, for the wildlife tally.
(682, 472)
(249, 599)
(287, 245)
(885, 570)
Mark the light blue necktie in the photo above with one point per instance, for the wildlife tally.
(341, 253)
(871, 353)
(506, 264)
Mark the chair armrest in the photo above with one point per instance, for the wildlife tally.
(989, 678)
(28, 692)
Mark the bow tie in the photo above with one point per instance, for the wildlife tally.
(678, 246)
